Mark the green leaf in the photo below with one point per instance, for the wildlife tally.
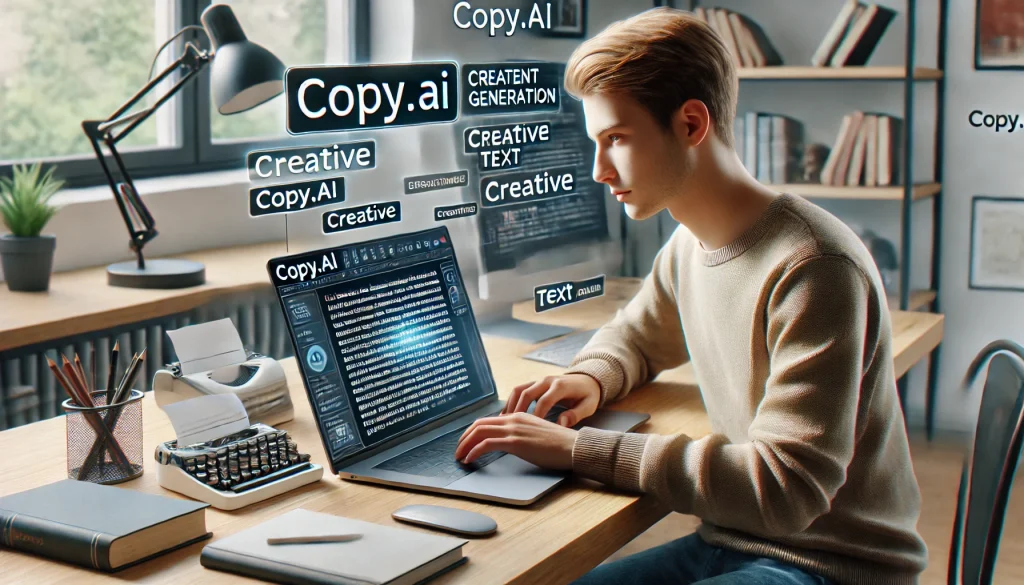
(25, 199)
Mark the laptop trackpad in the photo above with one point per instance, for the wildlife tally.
(508, 477)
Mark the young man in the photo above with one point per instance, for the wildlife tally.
(806, 476)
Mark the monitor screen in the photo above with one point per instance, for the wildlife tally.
(384, 336)
(512, 233)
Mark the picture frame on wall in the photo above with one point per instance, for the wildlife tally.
(997, 243)
(999, 34)
(568, 19)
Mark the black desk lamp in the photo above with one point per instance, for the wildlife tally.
(244, 75)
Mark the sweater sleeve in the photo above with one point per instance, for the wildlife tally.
(643, 339)
(820, 325)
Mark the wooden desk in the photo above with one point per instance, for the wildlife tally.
(915, 334)
(553, 541)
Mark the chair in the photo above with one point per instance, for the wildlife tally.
(990, 465)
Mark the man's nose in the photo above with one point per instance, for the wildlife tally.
(603, 171)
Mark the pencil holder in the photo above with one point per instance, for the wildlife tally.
(104, 443)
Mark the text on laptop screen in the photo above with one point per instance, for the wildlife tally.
(384, 335)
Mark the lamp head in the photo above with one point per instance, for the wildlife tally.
(243, 74)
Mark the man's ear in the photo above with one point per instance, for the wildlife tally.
(691, 122)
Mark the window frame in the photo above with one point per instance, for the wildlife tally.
(195, 152)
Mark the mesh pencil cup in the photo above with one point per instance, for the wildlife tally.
(104, 443)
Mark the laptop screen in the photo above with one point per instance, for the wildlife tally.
(384, 336)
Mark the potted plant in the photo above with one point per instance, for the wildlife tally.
(27, 256)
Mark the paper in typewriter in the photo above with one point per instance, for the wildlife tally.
(207, 346)
(202, 419)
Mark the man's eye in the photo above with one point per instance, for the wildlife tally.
(614, 138)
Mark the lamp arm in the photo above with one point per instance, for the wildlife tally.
(101, 131)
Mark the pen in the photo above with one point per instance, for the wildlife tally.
(313, 539)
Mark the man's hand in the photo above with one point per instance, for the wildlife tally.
(528, 437)
(580, 393)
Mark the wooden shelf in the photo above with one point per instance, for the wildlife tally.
(919, 299)
(894, 193)
(893, 72)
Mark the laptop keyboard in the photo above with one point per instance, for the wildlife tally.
(436, 458)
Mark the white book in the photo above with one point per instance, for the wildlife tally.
(834, 35)
(384, 555)
(871, 152)
(853, 176)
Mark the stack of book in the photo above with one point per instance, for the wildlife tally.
(864, 153)
(745, 39)
(854, 35)
(770, 146)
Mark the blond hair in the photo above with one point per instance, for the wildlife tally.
(661, 57)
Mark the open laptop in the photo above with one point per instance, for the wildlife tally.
(395, 370)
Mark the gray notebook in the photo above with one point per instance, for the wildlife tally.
(385, 555)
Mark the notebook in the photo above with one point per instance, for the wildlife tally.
(385, 555)
(98, 526)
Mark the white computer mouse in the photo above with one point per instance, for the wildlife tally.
(454, 520)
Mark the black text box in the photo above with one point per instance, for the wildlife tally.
(435, 182)
(361, 216)
(525, 186)
(292, 197)
(559, 294)
(455, 211)
(510, 88)
(359, 97)
(310, 162)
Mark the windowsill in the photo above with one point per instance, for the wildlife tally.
(192, 212)
(155, 186)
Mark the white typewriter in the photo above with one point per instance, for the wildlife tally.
(218, 457)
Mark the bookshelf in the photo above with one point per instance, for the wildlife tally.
(809, 72)
(905, 191)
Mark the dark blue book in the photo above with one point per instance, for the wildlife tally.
(97, 526)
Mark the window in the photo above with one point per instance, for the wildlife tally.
(63, 62)
(294, 31)
(60, 66)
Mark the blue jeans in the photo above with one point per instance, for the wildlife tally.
(691, 561)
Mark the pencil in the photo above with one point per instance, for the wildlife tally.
(312, 539)
(124, 391)
(124, 377)
(112, 373)
(72, 375)
(80, 370)
(103, 434)
(72, 394)
(92, 368)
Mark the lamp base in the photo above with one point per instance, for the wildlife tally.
(159, 273)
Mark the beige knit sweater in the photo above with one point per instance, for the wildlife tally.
(789, 334)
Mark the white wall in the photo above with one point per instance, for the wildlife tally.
(978, 162)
